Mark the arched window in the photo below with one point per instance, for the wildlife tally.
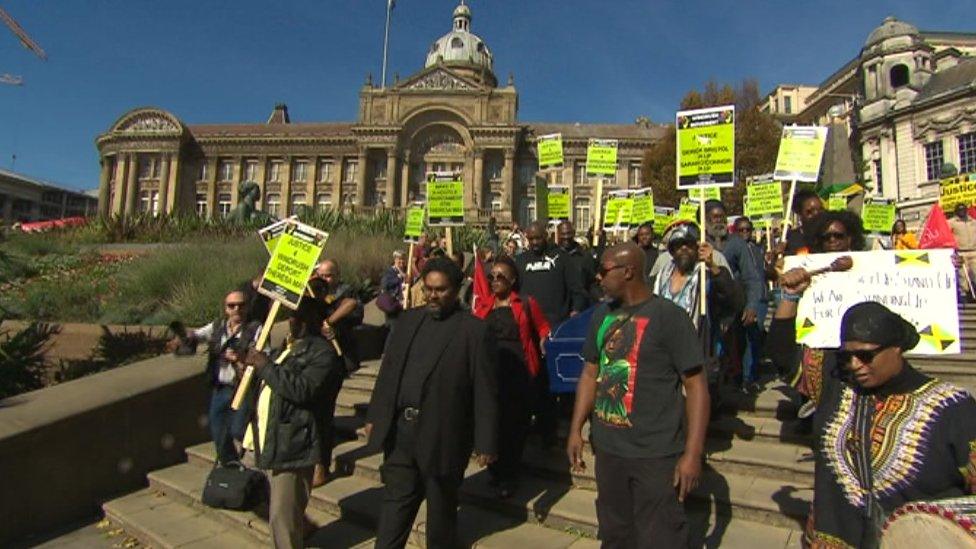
(456, 42)
(898, 76)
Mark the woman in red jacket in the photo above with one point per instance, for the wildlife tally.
(519, 328)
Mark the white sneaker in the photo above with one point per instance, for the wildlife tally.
(806, 410)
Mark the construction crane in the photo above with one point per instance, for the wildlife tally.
(27, 42)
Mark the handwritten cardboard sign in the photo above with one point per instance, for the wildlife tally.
(919, 285)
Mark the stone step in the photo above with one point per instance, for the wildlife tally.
(777, 400)
(561, 507)
(183, 484)
(760, 428)
(157, 520)
(353, 459)
(478, 527)
(731, 493)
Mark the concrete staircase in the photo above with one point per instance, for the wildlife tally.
(755, 493)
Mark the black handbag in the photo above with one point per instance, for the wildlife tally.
(234, 486)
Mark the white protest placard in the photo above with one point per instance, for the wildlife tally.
(919, 285)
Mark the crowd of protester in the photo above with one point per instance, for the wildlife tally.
(677, 319)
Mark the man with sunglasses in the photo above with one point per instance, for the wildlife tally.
(223, 335)
(748, 265)
(644, 391)
(886, 434)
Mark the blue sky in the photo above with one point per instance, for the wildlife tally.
(210, 61)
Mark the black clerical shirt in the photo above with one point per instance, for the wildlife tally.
(421, 356)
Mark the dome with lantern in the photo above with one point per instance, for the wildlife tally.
(462, 50)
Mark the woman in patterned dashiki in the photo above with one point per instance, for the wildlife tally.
(829, 232)
(918, 432)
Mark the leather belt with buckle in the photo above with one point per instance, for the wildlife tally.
(410, 414)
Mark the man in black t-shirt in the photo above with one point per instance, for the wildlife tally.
(648, 437)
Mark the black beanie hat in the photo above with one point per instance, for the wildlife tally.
(872, 322)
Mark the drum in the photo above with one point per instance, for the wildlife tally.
(932, 524)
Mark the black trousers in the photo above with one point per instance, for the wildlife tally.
(637, 505)
(514, 415)
(405, 487)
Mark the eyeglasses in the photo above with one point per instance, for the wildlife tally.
(863, 356)
(235, 305)
(744, 229)
(833, 236)
(603, 271)
(497, 276)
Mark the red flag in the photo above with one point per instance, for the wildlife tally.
(935, 232)
(483, 299)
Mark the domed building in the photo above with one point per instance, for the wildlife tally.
(452, 115)
(905, 104)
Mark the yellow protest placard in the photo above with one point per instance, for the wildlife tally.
(415, 223)
(558, 203)
(445, 200)
(662, 218)
(687, 210)
(601, 157)
(291, 264)
(960, 189)
(836, 202)
(703, 194)
(765, 199)
(800, 153)
(706, 147)
(878, 216)
(619, 208)
(270, 234)
(550, 150)
(643, 211)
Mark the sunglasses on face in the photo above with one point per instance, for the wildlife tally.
(497, 276)
(833, 236)
(235, 305)
(744, 229)
(863, 356)
(603, 270)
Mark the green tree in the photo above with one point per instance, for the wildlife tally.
(756, 143)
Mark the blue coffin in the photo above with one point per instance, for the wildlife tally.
(563, 359)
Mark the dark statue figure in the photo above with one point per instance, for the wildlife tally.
(246, 210)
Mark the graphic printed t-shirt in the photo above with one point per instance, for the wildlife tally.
(641, 352)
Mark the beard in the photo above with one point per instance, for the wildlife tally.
(716, 231)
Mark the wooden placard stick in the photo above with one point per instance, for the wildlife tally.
(245, 383)
(333, 341)
(702, 276)
(449, 235)
(789, 210)
(408, 278)
(598, 212)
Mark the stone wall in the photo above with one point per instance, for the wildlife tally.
(67, 448)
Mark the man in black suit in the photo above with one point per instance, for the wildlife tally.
(435, 399)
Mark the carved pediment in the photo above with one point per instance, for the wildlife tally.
(438, 78)
(148, 121)
(149, 124)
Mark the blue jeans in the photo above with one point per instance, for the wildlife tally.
(754, 340)
(226, 424)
